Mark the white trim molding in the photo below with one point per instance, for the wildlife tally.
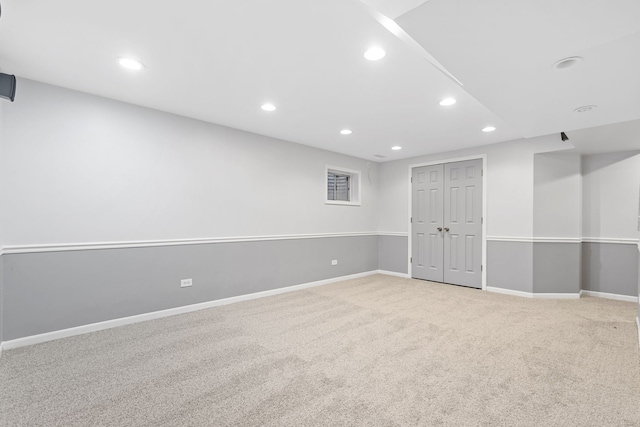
(535, 239)
(532, 294)
(393, 233)
(108, 324)
(62, 247)
(557, 240)
(509, 292)
(509, 239)
(562, 295)
(563, 240)
(556, 296)
(606, 295)
(638, 326)
(393, 273)
(615, 240)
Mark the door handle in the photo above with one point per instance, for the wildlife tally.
(439, 228)
(446, 229)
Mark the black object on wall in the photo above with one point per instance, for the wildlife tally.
(564, 136)
(7, 86)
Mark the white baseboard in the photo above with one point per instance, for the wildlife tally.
(509, 292)
(562, 296)
(556, 296)
(532, 294)
(108, 324)
(610, 296)
(638, 326)
(393, 273)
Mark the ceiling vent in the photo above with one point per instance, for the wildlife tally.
(567, 62)
(584, 108)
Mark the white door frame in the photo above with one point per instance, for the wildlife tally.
(482, 157)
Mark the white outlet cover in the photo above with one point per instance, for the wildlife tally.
(334, 262)
(186, 282)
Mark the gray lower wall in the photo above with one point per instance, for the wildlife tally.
(1, 299)
(510, 265)
(557, 267)
(610, 268)
(45, 292)
(393, 253)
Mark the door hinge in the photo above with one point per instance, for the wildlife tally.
(411, 220)
(411, 259)
(482, 268)
(481, 220)
(412, 180)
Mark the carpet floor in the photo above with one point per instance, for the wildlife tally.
(374, 351)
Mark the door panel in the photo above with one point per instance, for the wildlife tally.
(463, 219)
(426, 212)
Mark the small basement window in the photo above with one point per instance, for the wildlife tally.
(343, 186)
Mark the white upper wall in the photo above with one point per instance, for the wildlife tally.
(557, 195)
(509, 186)
(610, 195)
(79, 169)
(76, 168)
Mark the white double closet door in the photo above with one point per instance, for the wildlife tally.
(446, 223)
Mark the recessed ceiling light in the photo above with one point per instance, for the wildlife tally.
(488, 129)
(374, 53)
(447, 101)
(346, 132)
(268, 107)
(567, 62)
(584, 108)
(396, 148)
(130, 64)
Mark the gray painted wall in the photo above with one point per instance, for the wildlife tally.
(510, 265)
(1, 298)
(57, 290)
(557, 267)
(610, 268)
(393, 253)
(1, 216)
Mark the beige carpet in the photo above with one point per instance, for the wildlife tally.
(376, 351)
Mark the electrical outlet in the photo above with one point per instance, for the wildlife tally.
(184, 283)
(334, 262)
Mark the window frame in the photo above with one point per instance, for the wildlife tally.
(355, 185)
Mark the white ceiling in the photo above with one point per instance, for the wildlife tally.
(615, 137)
(218, 61)
(503, 52)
